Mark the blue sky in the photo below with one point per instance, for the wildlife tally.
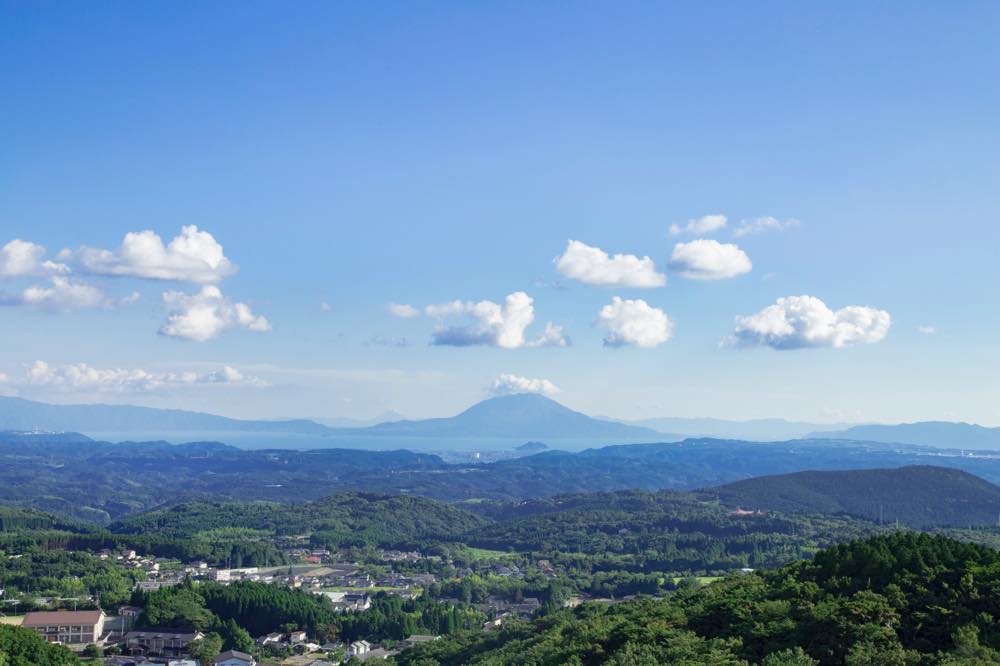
(359, 155)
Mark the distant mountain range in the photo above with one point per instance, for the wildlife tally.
(522, 416)
(21, 414)
(917, 496)
(940, 434)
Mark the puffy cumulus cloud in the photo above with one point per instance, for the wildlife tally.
(705, 259)
(705, 224)
(193, 256)
(507, 384)
(20, 258)
(634, 323)
(794, 322)
(204, 315)
(766, 223)
(592, 265)
(402, 310)
(80, 377)
(494, 324)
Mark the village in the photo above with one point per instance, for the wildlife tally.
(117, 637)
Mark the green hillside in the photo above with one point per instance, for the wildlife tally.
(919, 496)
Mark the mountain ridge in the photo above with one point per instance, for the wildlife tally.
(939, 434)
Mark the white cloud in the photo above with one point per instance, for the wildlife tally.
(705, 259)
(80, 377)
(204, 315)
(494, 324)
(20, 258)
(553, 336)
(705, 224)
(443, 310)
(634, 323)
(507, 384)
(402, 310)
(130, 299)
(794, 322)
(592, 265)
(324, 307)
(60, 294)
(766, 223)
(927, 329)
(6, 386)
(193, 256)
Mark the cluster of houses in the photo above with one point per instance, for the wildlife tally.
(400, 556)
(227, 658)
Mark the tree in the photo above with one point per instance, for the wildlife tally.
(206, 649)
(234, 637)
(790, 657)
(93, 651)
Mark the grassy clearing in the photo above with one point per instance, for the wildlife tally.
(702, 580)
(487, 554)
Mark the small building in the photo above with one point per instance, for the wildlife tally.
(269, 639)
(234, 658)
(160, 642)
(416, 639)
(297, 637)
(358, 648)
(375, 654)
(67, 627)
(130, 613)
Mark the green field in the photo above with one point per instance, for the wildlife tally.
(702, 580)
(487, 554)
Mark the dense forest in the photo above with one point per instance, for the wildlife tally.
(891, 600)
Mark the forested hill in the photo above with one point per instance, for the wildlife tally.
(887, 601)
(919, 495)
(14, 519)
(345, 519)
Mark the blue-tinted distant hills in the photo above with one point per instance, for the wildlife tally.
(18, 414)
(939, 434)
